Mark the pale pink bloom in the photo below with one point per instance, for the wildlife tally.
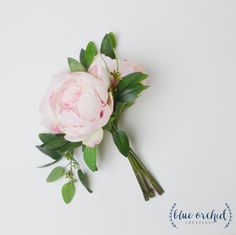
(99, 68)
(126, 67)
(79, 105)
(103, 64)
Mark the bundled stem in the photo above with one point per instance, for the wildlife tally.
(145, 179)
(140, 180)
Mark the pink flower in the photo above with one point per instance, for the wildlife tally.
(126, 67)
(101, 64)
(79, 105)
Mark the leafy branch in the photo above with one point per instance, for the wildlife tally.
(56, 147)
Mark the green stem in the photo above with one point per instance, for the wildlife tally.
(117, 61)
(139, 179)
(150, 189)
(143, 179)
(146, 173)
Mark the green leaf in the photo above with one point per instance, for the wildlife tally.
(83, 180)
(130, 80)
(118, 110)
(122, 142)
(81, 56)
(68, 192)
(113, 38)
(107, 46)
(83, 147)
(121, 107)
(52, 154)
(90, 157)
(111, 123)
(75, 65)
(47, 137)
(130, 93)
(56, 174)
(90, 52)
(56, 144)
(70, 146)
(51, 163)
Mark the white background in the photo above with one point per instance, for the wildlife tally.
(183, 127)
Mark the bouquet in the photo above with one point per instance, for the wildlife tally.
(83, 102)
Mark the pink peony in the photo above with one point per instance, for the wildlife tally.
(77, 104)
(102, 62)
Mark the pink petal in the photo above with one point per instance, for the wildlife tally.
(94, 139)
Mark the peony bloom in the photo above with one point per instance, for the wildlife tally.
(102, 63)
(77, 104)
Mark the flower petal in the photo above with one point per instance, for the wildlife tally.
(100, 68)
(94, 139)
(127, 67)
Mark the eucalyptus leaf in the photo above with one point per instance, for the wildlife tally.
(107, 47)
(75, 65)
(83, 180)
(90, 157)
(121, 141)
(68, 192)
(56, 174)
